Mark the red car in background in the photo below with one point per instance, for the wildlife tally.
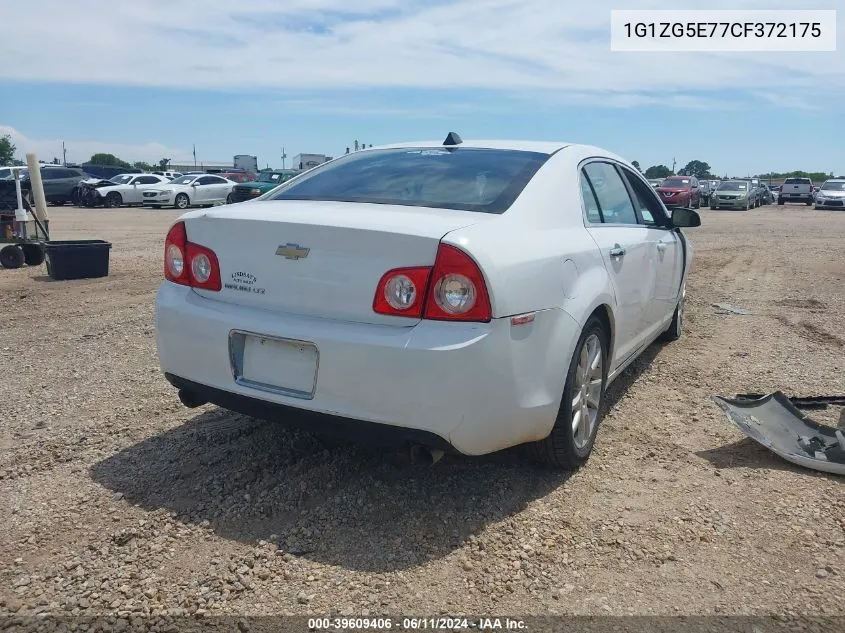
(680, 191)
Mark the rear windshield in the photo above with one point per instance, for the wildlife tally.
(466, 179)
(797, 181)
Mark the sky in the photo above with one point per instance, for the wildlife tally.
(149, 79)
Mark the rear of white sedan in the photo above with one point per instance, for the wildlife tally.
(372, 297)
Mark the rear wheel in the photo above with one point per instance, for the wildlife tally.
(780, 201)
(182, 201)
(11, 256)
(573, 435)
(33, 254)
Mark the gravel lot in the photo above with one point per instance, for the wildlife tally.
(117, 499)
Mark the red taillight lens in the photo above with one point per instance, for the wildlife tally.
(457, 291)
(452, 290)
(174, 255)
(189, 264)
(401, 292)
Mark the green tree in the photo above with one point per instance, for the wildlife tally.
(108, 159)
(144, 166)
(658, 171)
(7, 150)
(163, 163)
(697, 168)
(637, 165)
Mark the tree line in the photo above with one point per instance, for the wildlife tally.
(703, 171)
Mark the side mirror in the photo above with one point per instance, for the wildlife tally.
(194, 184)
(685, 218)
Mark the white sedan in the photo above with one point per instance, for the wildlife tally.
(464, 296)
(127, 189)
(188, 191)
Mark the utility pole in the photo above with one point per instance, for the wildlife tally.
(673, 165)
(64, 154)
(284, 156)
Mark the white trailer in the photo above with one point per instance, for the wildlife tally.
(246, 162)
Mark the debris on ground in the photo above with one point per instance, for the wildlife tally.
(776, 423)
(727, 308)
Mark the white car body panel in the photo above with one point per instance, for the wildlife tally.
(131, 191)
(164, 195)
(481, 386)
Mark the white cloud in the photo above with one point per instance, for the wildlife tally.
(79, 151)
(509, 45)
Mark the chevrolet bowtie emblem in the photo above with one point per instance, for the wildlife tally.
(292, 251)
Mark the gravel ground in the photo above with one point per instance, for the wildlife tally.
(119, 500)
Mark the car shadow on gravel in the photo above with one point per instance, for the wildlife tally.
(353, 506)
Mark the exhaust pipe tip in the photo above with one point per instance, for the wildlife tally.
(190, 399)
(424, 455)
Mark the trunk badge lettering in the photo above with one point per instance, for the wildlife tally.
(292, 251)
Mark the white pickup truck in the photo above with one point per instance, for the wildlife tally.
(796, 190)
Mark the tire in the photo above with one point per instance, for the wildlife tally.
(114, 199)
(780, 202)
(11, 256)
(182, 201)
(565, 447)
(230, 199)
(747, 204)
(698, 203)
(676, 327)
(33, 254)
(809, 203)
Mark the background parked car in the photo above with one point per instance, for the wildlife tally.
(656, 182)
(168, 174)
(767, 196)
(59, 182)
(188, 191)
(796, 190)
(682, 191)
(266, 181)
(733, 194)
(237, 176)
(126, 189)
(831, 194)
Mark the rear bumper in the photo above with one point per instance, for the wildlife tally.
(355, 430)
(478, 387)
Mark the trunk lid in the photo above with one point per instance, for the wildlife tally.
(331, 255)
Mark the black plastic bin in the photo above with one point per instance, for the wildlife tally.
(77, 259)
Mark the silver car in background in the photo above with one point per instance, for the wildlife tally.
(734, 194)
(831, 195)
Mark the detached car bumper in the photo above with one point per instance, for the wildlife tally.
(478, 387)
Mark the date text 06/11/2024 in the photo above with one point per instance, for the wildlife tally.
(414, 624)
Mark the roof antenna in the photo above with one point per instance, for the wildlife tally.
(453, 139)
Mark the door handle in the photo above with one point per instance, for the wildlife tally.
(661, 246)
(617, 251)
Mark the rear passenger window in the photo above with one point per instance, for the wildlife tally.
(590, 204)
(614, 202)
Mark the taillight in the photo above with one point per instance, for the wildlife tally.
(457, 291)
(189, 264)
(452, 290)
(401, 292)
